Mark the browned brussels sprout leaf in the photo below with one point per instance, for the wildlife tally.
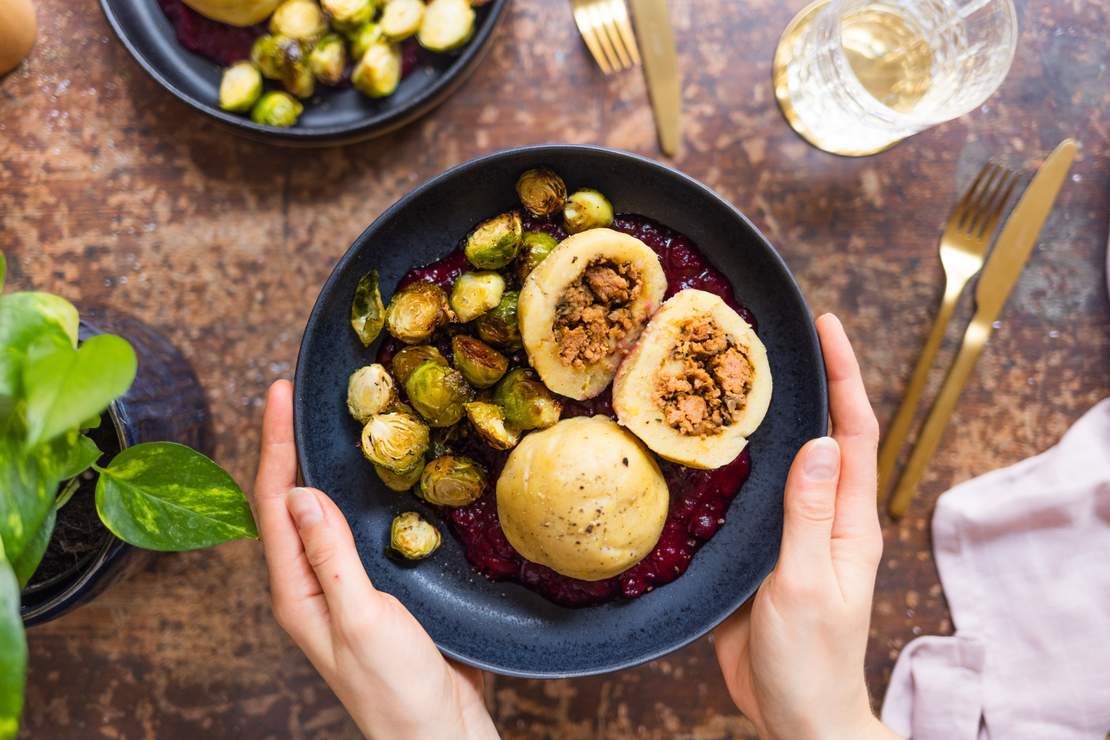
(367, 309)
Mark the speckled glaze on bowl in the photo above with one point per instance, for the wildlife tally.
(336, 117)
(504, 627)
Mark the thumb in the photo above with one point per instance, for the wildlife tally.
(330, 550)
(809, 508)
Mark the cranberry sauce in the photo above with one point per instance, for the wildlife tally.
(225, 44)
(699, 498)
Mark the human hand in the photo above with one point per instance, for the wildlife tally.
(793, 657)
(373, 654)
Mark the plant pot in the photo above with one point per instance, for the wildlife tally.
(164, 403)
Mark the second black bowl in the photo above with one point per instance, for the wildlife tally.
(504, 627)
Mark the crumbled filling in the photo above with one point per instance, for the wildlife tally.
(707, 385)
(594, 313)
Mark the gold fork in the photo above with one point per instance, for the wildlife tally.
(605, 28)
(963, 247)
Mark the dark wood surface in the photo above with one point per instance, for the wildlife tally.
(112, 192)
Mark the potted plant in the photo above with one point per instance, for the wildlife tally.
(63, 388)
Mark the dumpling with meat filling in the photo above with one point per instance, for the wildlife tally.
(583, 308)
(697, 384)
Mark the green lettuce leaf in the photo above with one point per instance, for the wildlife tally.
(165, 496)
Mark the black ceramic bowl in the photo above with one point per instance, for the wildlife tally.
(333, 117)
(503, 627)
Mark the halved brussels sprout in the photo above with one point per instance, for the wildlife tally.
(328, 59)
(367, 310)
(400, 481)
(240, 87)
(474, 293)
(283, 58)
(527, 402)
(534, 248)
(363, 38)
(277, 109)
(268, 54)
(495, 242)
(299, 19)
(401, 18)
(541, 192)
(438, 393)
(447, 25)
(479, 363)
(348, 15)
(370, 390)
(378, 72)
(501, 326)
(488, 420)
(452, 480)
(587, 209)
(408, 359)
(413, 537)
(394, 440)
(415, 312)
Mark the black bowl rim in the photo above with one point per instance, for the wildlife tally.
(465, 65)
(552, 152)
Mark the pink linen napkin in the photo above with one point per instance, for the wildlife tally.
(1024, 557)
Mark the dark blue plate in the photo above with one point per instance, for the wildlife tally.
(503, 627)
(333, 116)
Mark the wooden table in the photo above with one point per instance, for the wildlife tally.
(112, 192)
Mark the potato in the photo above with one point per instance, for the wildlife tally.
(584, 497)
(235, 12)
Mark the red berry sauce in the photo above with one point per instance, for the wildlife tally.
(699, 498)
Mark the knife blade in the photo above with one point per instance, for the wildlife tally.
(653, 29)
(997, 280)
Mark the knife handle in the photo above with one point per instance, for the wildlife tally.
(975, 338)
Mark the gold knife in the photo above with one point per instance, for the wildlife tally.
(1001, 272)
(653, 29)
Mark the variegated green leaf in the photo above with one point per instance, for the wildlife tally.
(165, 496)
(64, 387)
(28, 484)
(13, 652)
(24, 317)
(28, 560)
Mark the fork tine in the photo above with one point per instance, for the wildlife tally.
(584, 21)
(987, 204)
(606, 12)
(975, 206)
(961, 208)
(624, 27)
(598, 20)
(991, 220)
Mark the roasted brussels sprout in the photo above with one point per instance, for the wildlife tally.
(416, 311)
(445, 440)
(348, 15)
(394, 440)
(447, 25)
(268, 54)
(452, 480)
(277, 109)
(367, 310)
(378, 72)
(527, 402)
(438, 393)
(541, 192)
(500, 325)
(474, 293)
(240, 87)
(587, 209)
(495, 242)
(363, 38)
(400, 481)
(328, 59)
(479, 363)
(488, 420)
(401, 18)
(299, 19)
(408, 359)
(283, 58)
(534, 248)
(413, 537)
(370, 390)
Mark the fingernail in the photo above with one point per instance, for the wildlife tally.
(822, 459)
(304, 507)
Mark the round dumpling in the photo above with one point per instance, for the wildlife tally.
(235, 12)
(585, 305)
(584, 497)
(697, 384)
